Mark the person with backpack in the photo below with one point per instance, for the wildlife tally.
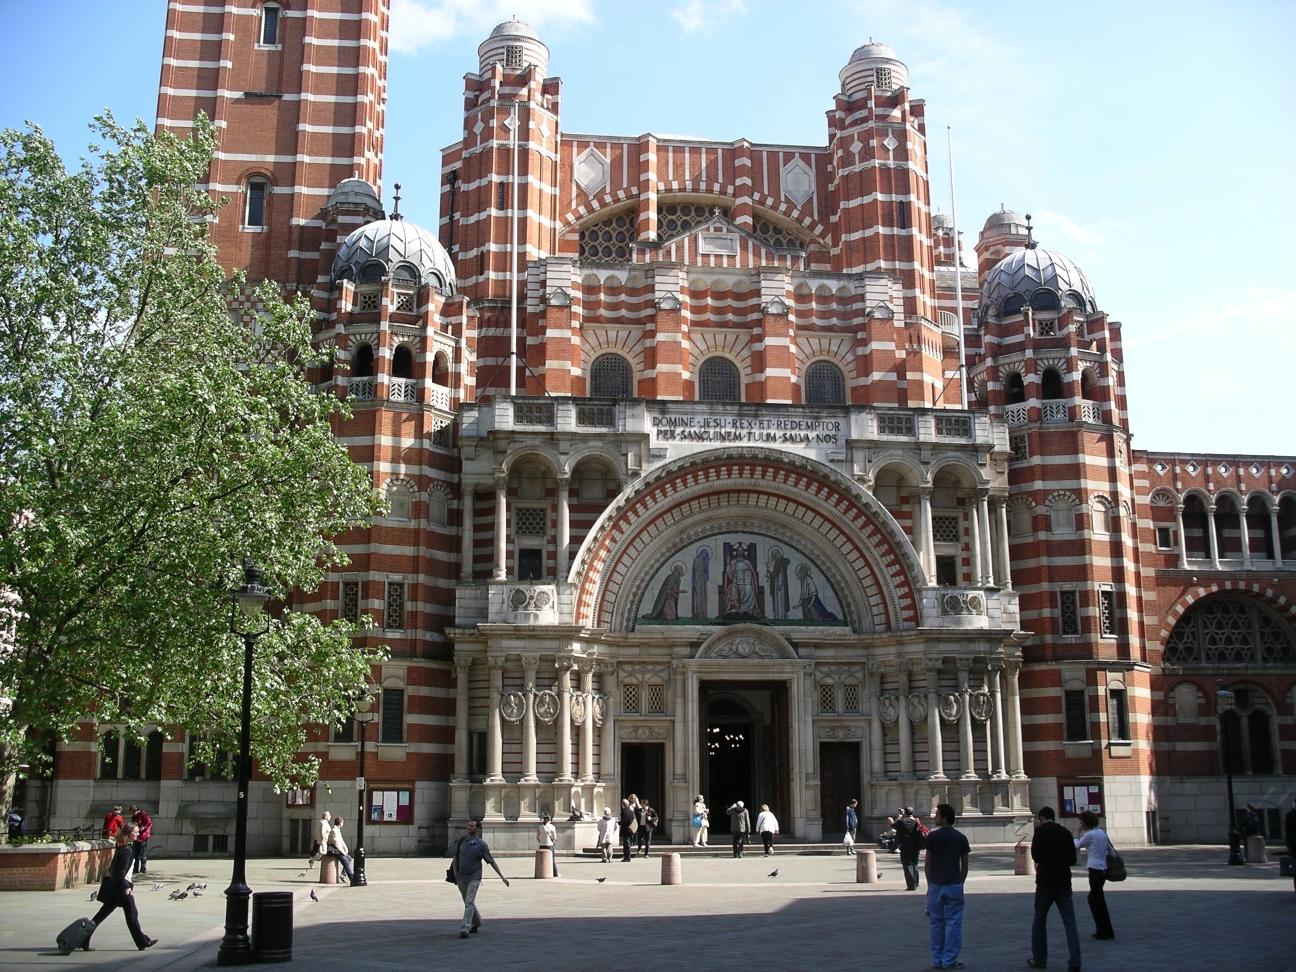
(910, 839)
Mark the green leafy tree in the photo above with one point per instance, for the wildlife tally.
(150, 440)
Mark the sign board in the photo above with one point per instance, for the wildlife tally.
(360, 783)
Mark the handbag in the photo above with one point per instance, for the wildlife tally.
(1115, 864)
(450, 878)
(1287, 865)
(106, 893)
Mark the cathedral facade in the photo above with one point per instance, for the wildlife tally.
(711, 471)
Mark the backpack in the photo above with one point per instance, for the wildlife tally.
(650, 818)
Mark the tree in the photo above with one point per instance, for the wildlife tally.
(150, 439)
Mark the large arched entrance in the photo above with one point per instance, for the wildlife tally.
(743, 746)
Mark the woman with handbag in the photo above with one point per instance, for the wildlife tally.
(116, 889)
(1093, 839)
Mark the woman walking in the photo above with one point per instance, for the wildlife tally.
(700, 822)
(120, 888)
(1093, 839)
(767, 826)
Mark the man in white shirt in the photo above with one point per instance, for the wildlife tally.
(547, 836)
(338, 848)
(323, 827)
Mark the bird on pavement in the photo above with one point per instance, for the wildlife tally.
(773, 873)
(314, 896)
(93, 895)
(602, 879)
(301, 873)
(156, 887)
(179, 895)
(196, 892)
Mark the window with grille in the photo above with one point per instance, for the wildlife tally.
(676, 218)
(609, 240)
(902, 215)
(827, 697)
(1069, 612)
(1117, 713)
(270, 25)
(1019, 447)
(394, 611)
(1077, 715)
(895, 423)
(718, 381)
(254, 214)
(367, 300)
(825, 384)
(610, 377)
(882, 77)
(655, 697)
(513, 56)
(530, 521)
(773, 235)
(630, 697)
(1107, 610)
(393, 715)
(945, 529)
(351, 600)
(405, 301)
(443, 435)
(1046, 328)
(851, 697)
(501, 195)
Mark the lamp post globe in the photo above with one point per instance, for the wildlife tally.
(1224, 703)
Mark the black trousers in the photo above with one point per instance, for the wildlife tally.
(909, 864)
(1098, 904)
(645, 840)
(627, 841)
(767, 838)
(127, 905)
(739, 842)
(141, 856)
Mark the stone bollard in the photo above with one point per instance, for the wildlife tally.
(671, 872)
(543, 863)
(328, 871)
(1023, 863)
(1255, 848)
(866, 867)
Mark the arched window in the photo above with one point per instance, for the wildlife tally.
(441, 369)
(1102, 516)
(399, 500)
(1224, 630)
(270, 25)
(1062, 514)
(362, 361)
(1088, 385)
(1014, 389)
(1248, 727)
(718, 381)
(1012, 304)
(825, 384)
(438, 507)
(1051, 384)
(1044, 300)
(1196, 528)
(372, 272)
(610, 377)
(254, 210)
(402, 362)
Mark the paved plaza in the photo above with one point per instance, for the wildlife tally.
(1183, 908)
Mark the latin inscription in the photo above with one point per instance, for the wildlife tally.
(745, 429)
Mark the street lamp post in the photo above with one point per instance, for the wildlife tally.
(363, 716)
(1224, 702)
(245, 613)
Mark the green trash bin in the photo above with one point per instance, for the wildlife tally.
(272, 926)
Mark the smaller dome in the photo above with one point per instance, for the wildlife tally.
(514, 45)
(873, 65)
(1005, 221)
(355, 192)
(941, 221)
(514, 28)
(1037, 278)
(394, 247)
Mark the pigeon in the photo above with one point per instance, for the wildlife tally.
(93, 894)
(203, 886)
(156, 887)
(773, 873)
(196, 892)
(301, 873)
(177, 894)
(192, 885)
(602, 879)
(314, 896)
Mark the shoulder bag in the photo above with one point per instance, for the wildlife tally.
(1115, 864)
(450, 871)
(106, 894)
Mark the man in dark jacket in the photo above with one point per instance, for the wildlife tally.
(628, 827)
(739, 827)
(852, 824)
(1053, 851)
(909, 841)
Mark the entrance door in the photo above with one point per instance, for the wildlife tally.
(744, 748)
(643, 772)
(839, 783)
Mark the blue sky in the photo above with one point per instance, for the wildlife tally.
(1153, 142)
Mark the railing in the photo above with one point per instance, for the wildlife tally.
(533, 413)
(953, 426)
(1016, 414)
(1091, 412)
(596, 416)
(402, 390)
(1055, 412)
(948, 322)
(895, 423)
(441, 397)
(361, 388)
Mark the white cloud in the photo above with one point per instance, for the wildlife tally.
(1260, 314)
(701, 16)
(417, 23)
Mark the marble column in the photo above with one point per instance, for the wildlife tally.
(564, 720)
(928, 542)
(877, 759)
(1211, 537)
(906, 729)
(974, 521)
(1277, 537)
(607, 743)
(1183, 541)
(1016, 767)
(996, 667)
(494, 739)
(564, 525)
(501, 528)
(987, 547)
(587, 727)
(1246, 540)
(679, 760)
(466, 533)
(935, 753)
(529, 722)
(1005, 568)
(965, 723)
(463, 668)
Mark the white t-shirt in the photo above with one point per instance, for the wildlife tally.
(546, 835)
(1096, 843)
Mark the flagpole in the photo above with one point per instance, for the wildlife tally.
(958, 274)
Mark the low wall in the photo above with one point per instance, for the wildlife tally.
(52, 867)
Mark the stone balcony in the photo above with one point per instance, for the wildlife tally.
(972, 608)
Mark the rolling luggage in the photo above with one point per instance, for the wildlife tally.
(75, 935)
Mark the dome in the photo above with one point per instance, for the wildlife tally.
(873, 65)
(355, 192)
(397, 248)
(1037, 278)
(1005, 221)
(514, 45)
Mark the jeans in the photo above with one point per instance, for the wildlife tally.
(645, 840)
(1047, 895)
(910, 868)
(468, 891)
(344, 862)
(1098, 904)
(945, 911)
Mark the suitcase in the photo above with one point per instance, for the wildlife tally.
(75, 935)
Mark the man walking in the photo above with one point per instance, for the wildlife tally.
(909, 841)
(739, 825)
(946, 867)
(852, 824)
(628, 826)
(469, 852)
(646, 828)
(1053, 851)
(144, 820)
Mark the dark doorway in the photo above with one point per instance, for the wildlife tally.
(839, 783)
(643, 772)
(744, 748)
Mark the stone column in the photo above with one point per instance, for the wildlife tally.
(877, 759)
(987, 546)
(906, 730)
(965, 722)
(463, 668)
(1246, 540)
(1005, 568)
(501, 528)
(466, 533)
(978, 575)
(1015, 766)
(564, 525)
(1183, 541)
(587, 727)
(607, 755)
(996, 666)
(935, 754)
(1277, 537)
(1211, 537)
(564, 720)
(529, 665)
(680, 722)
(928, 555)
(494, 739)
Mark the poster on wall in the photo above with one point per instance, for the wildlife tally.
(1079, 797)
(740, 578)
